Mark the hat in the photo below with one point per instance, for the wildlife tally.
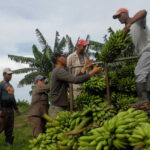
(56, 55)
(8, 71)
(38, 78)
(82, 43)
(119, 11)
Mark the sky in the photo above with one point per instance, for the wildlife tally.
(20, 18)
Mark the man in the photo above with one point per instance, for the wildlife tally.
(78, 58)
(59, 83)
(140, 34)
(39, 105)
(7, 106)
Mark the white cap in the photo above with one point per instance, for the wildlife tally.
(8, 71)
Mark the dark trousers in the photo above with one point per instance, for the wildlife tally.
(38, 125)
(7, 124)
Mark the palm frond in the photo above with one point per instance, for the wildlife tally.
(24, 70)
(37, 54)
(56, 41)
(70, 44)
(28, 79)
(41, 38)
(21, 59)
(95, 45)
(61, 44)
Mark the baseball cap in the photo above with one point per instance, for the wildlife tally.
(82, 43)
(8, 71)
(38, 78)
(119, 11)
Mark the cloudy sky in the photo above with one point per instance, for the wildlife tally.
(20, 18)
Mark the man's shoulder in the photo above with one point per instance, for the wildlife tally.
(57, 70)
(72, 55)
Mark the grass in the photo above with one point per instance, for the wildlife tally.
(22, 132)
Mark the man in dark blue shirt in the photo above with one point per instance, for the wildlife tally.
(7, 106)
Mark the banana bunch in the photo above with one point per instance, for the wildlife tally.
(117, 42)
(115, 132)
(141, 137)
(95, 85)
(54, 131)
(101, 112)
(42, 142)
(92, 92)
(84, 98)
(122, 101)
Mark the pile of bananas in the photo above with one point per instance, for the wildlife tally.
(92, 92)
(95, 85)
(122, 101)
(55, 129)
(84, 98)
(141, 137)
(99, 112)
(115, 132)
(117, 42)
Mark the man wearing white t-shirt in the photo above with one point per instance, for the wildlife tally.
(137, 28)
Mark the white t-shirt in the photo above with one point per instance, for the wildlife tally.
(140, 36)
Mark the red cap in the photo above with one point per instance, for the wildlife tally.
(119, 11)
(82, 43)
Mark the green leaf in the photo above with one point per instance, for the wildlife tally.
(21, 59)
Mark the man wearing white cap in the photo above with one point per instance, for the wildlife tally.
(7, 106)
(137, 28)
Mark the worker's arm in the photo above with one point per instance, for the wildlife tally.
(43, 88)
(137, 17)
(63, 75)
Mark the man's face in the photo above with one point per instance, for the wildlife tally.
(81, 49)
(7, 77)
(62, 60)
(123, 18)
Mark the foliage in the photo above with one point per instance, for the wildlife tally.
(95, 86)
(23, 102)
(117, 42)
(41, 63)
(116, 132)
(122, 101)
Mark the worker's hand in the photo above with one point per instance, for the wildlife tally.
(95, 70)
(18, 113)
(127, 28)
(88, 63)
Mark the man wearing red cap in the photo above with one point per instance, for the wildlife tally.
(78, 58)
(137, 28)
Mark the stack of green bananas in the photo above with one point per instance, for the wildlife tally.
(101, 112)
(84, 98)
(95, 85)
(54, 130)
(43, 142)
(117, 42)
(122, 101)
(141, 137)
(115, 132)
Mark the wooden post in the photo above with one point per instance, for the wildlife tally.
(107, 83)
(71, 92)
